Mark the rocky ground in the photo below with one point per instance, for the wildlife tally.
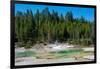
(42, 55)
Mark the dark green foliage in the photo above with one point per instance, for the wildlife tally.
(48, 26)
(69, 17)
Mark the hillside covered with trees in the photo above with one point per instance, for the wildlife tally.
(47, 27)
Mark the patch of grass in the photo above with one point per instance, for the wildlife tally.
(62, 56)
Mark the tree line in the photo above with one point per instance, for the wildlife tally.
(46, 26)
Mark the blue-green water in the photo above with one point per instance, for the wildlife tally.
(25, 54)
(67, 51)
(62, 53)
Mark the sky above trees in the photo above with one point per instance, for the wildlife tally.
(87, 13)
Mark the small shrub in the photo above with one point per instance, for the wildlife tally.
(85, 42)
(28, 44)
(20, 44)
